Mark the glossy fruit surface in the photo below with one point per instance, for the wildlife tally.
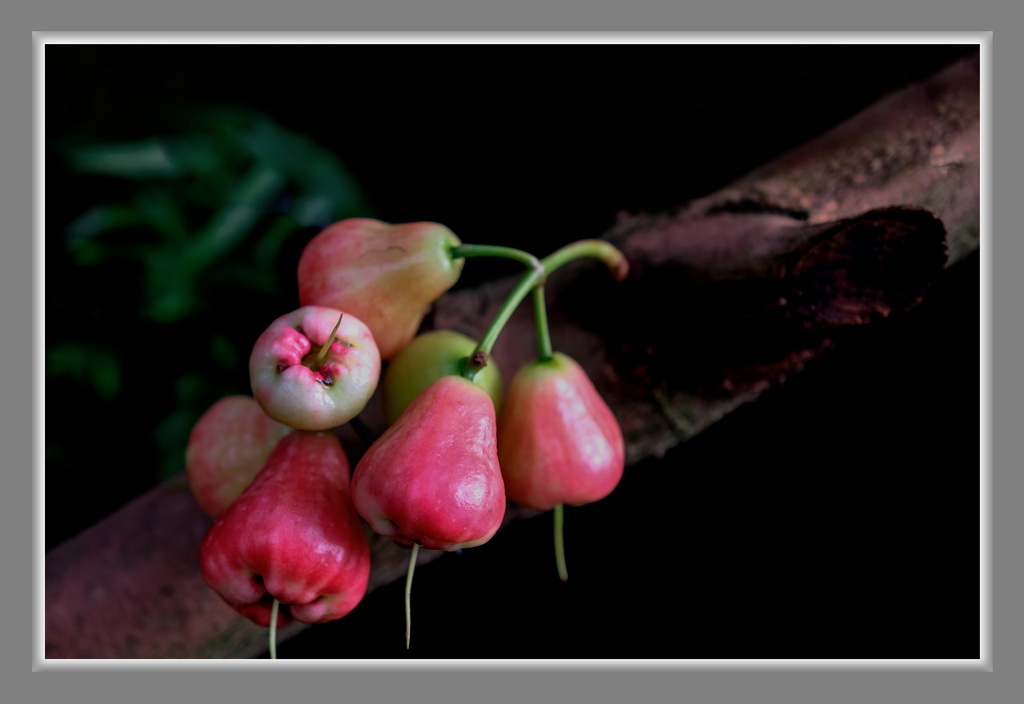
(386, 275)
(292, 388)
(433, 478)
(227, 447)
(558, 441)
(427, 358)
(292, 535)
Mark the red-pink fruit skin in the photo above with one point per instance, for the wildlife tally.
(433, 477)
(386, 275)
(293, 535)
(227, 447)
(558, 441)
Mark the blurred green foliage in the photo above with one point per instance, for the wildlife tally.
(185, 227)
(238, 177)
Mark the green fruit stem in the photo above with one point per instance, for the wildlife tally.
(273, 629)
(327, 345)
(559, 512)
(483, 349)
(540, 317)
(488, 250)
(593, 249)
(533, 280)
(408, 593)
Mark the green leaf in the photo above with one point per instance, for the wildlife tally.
(171, 287)
(224, 354)
(197, 155)
(161, 210)
(133, 160)
(270, 242)
(241, 276)
(87, 364)
(97, 220)
(89, 253)
(325, 190)
(234, 220)
(313, 209)
(172, 433)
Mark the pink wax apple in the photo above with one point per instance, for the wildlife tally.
(293, 535)
(227, 447)
(386, 275)
(558, 441)
(296, 388)
(432, 478)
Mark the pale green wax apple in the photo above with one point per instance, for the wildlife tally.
(386, 275)
(295, 387)
(427, 358)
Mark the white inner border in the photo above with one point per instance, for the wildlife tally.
(983, 39)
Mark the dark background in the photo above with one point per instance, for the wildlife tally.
(836, 517)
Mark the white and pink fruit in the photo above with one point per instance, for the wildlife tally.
(295, 387)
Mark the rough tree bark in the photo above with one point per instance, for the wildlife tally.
(761, 276)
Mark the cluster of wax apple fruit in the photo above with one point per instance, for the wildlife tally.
(287, 541)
